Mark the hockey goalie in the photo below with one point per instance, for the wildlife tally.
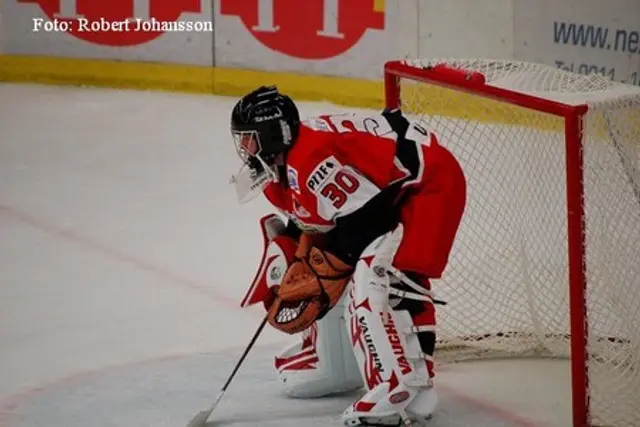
(371, 208)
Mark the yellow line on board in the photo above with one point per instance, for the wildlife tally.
(339, 90)
(115, 74)
(186, 78)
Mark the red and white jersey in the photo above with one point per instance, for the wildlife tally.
(338, 163)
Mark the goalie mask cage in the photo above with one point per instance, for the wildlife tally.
(547, 258)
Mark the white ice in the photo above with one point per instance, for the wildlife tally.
(123, 258)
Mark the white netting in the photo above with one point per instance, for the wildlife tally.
(507, 282)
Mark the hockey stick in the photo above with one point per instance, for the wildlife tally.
(201, 417)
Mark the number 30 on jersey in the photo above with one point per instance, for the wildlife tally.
(332, 181)
(339, 188)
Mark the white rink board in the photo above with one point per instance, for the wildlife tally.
(461, 28)
(352, 39)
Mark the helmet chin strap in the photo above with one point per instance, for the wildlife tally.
(279, 167)
(282, 175)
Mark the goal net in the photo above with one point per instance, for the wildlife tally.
(547, 259)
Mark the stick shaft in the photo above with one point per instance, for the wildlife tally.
(244, 355)
(201, 418)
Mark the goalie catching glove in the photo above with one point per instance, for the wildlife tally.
(312, 285)
(296, 282)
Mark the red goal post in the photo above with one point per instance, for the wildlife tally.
(548, 247)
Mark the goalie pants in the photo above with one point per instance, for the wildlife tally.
(431, 213)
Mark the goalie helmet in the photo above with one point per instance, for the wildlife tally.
(264, 126)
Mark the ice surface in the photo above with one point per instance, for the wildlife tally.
(123, 258)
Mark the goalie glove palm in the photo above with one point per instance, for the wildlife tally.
(310, 288)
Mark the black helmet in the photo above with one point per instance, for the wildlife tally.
(264, 124)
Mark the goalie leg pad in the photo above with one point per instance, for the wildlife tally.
(322, 363)
(388, 339)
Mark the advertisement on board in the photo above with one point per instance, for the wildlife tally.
(345, 38)
(329, 37)
(581, 36)
(177, 31)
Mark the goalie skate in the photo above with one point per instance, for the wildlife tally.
(386, 405)
(390, 421)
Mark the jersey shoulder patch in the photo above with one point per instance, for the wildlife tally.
(292, 179)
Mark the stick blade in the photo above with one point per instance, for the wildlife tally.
(200, 420)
